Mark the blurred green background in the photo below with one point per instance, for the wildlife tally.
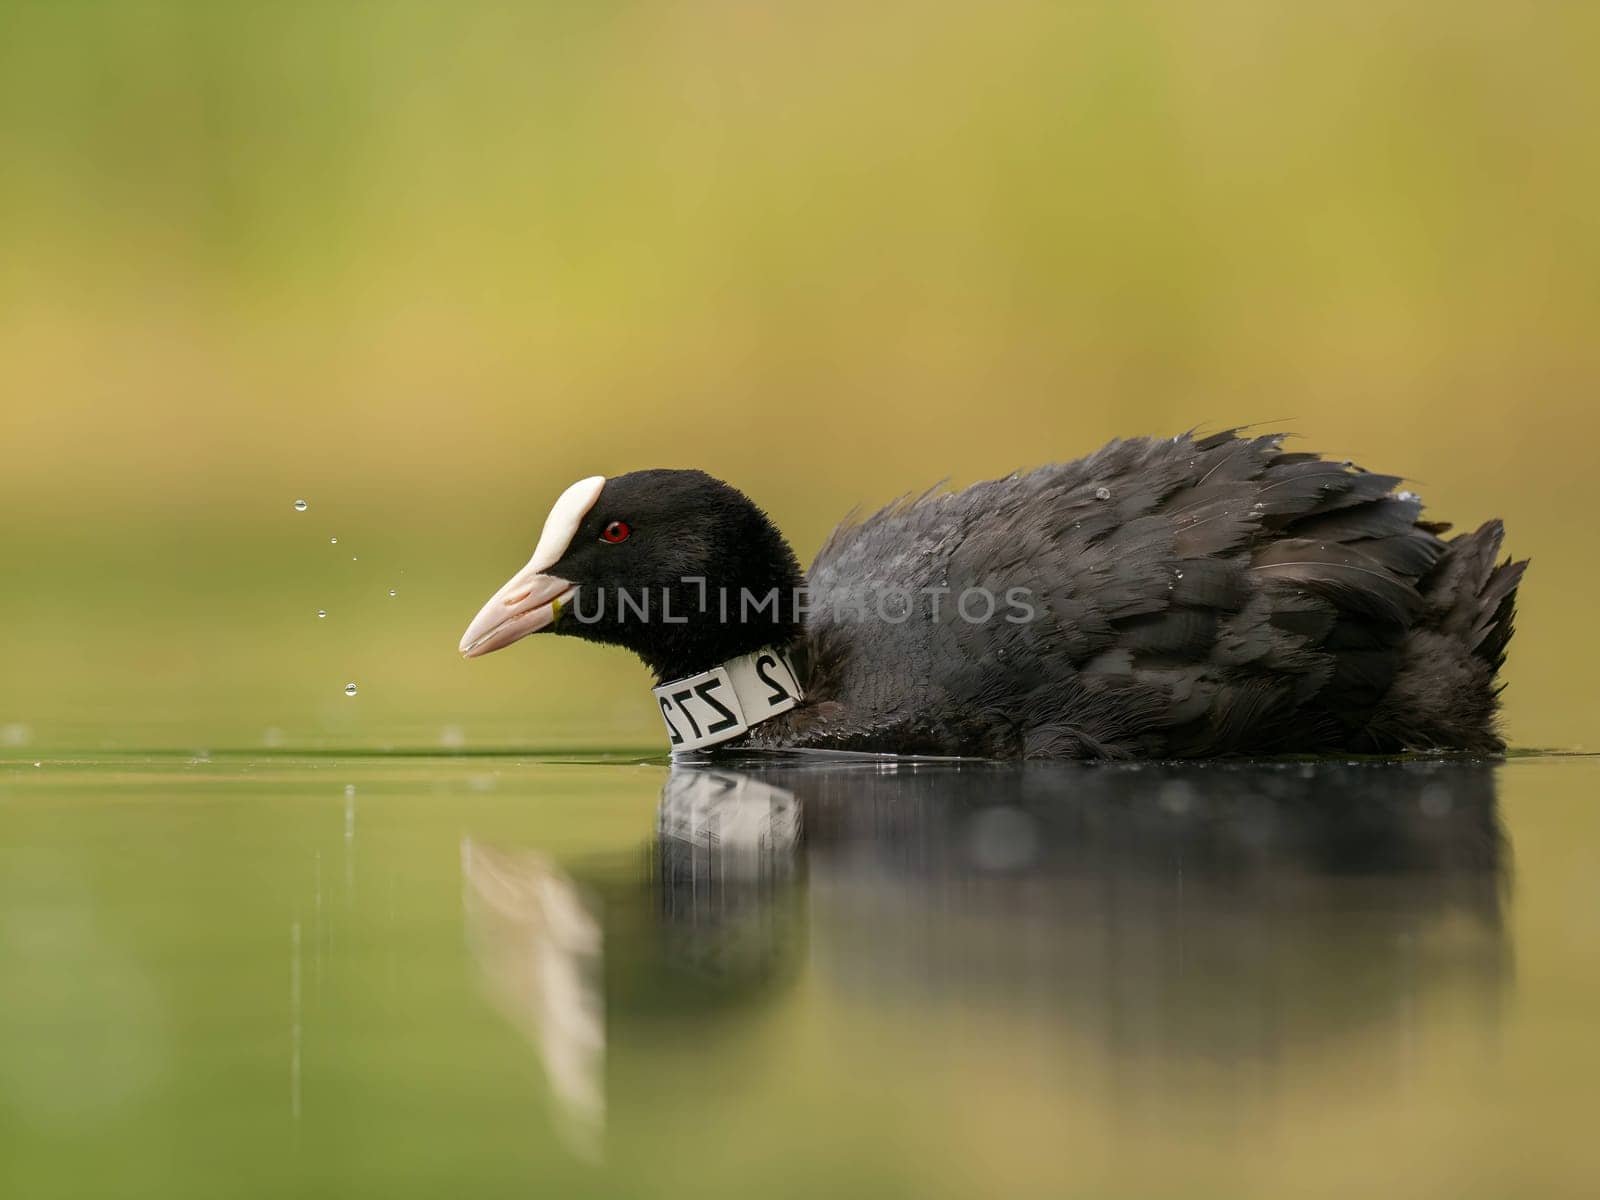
(424, 265)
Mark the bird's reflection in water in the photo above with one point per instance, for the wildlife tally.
(1212, 910)
(1208, 913)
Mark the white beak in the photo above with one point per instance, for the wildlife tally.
(532, 599)
(526, 604)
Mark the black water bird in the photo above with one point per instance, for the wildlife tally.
(1182, 597)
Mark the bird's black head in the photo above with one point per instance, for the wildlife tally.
(679, 567)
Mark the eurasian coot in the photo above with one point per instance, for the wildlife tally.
(1180, 597)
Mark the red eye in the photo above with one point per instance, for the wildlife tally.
(617, 531)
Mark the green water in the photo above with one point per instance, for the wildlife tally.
(518, 976)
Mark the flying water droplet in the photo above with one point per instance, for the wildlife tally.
(1405, 496)
(349, 689)
(299, 506)
(1102, 493)
(392, 592)
(333, 541)
(321, 612)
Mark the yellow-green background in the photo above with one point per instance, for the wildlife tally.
(423, 265)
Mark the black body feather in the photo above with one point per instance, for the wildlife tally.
(1195, 597)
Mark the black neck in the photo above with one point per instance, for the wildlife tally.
(765, 609)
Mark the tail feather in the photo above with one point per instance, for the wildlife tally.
(1445, 695)
(1499, 604)
(1470, 597)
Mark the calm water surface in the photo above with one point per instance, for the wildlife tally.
(500, 976)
